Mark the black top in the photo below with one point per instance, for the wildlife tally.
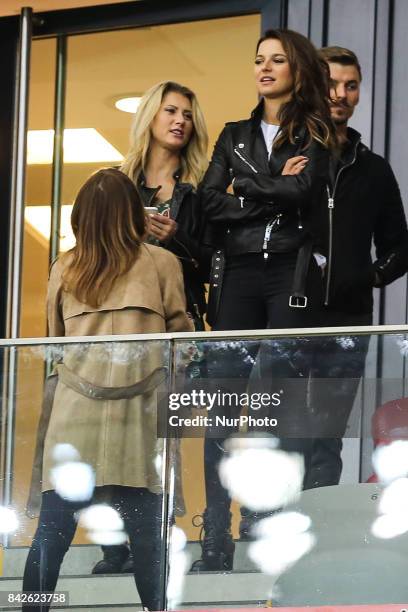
(186, 211)
(366, 207)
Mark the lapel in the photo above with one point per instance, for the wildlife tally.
(257, 147)
(259, 152)
(179, 193)
(279, 156)
(148, 194)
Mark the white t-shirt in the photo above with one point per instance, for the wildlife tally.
(269, 131)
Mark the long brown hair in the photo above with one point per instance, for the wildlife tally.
(108, 222)
(309, 104)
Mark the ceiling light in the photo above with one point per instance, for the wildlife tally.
(39, 217)
(129, 104)
(81, 146)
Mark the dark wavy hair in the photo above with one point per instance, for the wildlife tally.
(309, 104)
(108, 222)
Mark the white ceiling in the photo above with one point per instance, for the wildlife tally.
(13, 7)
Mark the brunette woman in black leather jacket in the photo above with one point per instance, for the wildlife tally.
(266, 265)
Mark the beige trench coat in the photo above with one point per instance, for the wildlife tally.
(117, 437)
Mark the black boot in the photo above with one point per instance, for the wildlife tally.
(113, 560)
(217, 545)
(129, 566)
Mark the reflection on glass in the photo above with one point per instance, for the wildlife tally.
(97, 465)
(308, 545)
(332, 545)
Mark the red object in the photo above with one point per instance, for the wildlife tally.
(390, 423)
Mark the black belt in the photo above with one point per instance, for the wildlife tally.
(298, 298)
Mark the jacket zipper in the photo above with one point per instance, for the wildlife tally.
(330, 206)
(276, 220)
(268, 230)
(329, 262)
(245, 160)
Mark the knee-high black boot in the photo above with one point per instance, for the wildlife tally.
(217, 544)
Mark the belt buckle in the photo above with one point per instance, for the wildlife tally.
(297, 301)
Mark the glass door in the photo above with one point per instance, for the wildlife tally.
(212, 57)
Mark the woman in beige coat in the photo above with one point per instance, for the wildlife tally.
(105, 404)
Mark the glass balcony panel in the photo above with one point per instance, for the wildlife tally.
(184, 415)
(278, 436)
(85, 453)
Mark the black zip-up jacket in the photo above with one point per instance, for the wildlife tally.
(185, 209)
(362, 204)
(262, 196)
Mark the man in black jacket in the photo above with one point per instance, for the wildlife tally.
(363, 205)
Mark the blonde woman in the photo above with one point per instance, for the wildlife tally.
(167, 160)
(105, 400)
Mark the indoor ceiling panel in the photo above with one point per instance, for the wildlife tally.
(214, 58)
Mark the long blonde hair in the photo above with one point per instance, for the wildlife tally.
(108, 222)
(193, 158)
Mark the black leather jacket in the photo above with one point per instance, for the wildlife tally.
(268, 211)
(364, 206)
(195, 258)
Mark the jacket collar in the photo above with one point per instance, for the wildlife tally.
(256, 118)
(353, 142)
(142, 178)
(353, 137)
(256, 115)
(148, 194)
(278, 158)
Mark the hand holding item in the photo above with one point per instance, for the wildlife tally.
(162, 228)
(295, 165)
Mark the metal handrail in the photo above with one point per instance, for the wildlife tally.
(214, 335)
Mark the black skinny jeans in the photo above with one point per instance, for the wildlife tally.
(344, 362)
(141, 513)
(255, 295)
